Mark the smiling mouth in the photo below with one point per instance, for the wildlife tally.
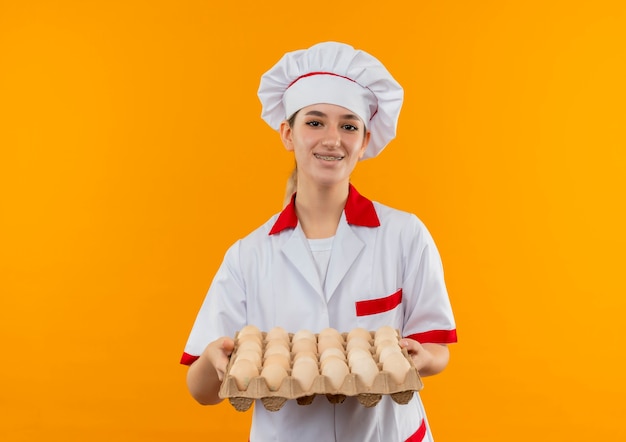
(327, 157)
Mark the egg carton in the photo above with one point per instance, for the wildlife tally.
(290, 389)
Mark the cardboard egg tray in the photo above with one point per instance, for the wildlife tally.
(290, 389)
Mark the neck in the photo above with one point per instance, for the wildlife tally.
(319, 209)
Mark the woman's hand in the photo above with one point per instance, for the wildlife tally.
(429, 359)
(205, 375)
(218, 353)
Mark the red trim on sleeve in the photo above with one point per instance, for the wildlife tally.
(435, 337)
(188, 359)
(418, 436)
(380, 305)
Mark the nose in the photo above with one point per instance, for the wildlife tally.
(332, 138)
(330, 143)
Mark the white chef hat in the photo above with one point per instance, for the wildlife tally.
(334, 73)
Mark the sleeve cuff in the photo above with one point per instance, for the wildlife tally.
(435, 337)
(188, 359)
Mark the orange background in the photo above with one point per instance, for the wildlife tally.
(133, 155)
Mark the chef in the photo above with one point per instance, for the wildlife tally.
(331, 258)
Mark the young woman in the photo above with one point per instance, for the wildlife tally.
(331, 258)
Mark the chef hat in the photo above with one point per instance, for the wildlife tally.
(334, 73)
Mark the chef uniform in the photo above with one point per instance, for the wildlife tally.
(383, 267)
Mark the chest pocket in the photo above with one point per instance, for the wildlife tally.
(374, 313)
(378, 305)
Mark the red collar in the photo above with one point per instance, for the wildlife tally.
(359, 212)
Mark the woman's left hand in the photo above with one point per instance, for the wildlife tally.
(429, 358)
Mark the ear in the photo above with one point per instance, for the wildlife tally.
(286, 135)
(366, 140)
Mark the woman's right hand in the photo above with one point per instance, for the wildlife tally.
(218, 353)
(205, 375)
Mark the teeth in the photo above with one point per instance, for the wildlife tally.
(327, 157)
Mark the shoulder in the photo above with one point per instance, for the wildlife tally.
(405, 227)
(251, 247)
(259, 235)
(392, 217)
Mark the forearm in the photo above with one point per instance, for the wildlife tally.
(203, 382)
(440, 356)
(206, 373)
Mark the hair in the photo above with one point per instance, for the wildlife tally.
(292, 181)
(292, 184)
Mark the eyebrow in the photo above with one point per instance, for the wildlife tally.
(322, 114)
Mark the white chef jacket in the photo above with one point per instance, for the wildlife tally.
(384, 269)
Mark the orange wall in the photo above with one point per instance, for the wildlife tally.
(132, 154)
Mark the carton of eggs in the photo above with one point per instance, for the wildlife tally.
(275, 366)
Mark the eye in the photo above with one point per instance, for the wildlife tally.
(350, 127)
(313, 123)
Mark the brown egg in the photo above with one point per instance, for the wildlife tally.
(335, 370)
(277, 341)
(279, 359)
(393, 343)
(332, 351)
(303, 334)
(276, 349)
(250, 355)
(305, 354)
(330, 332)
(397, 366)
(358, 341)
(366, 370)
(359, 332)
(250, 337)
(248, 344)
(305, 360)
(386, 351)
(277, 333)
(252, 345)
(385, 332)
(303, 345)
(243, 371)
(325, 342)
(304, 372)
(357, 354)
(249, 330)
(274, 375)
(323, 363)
